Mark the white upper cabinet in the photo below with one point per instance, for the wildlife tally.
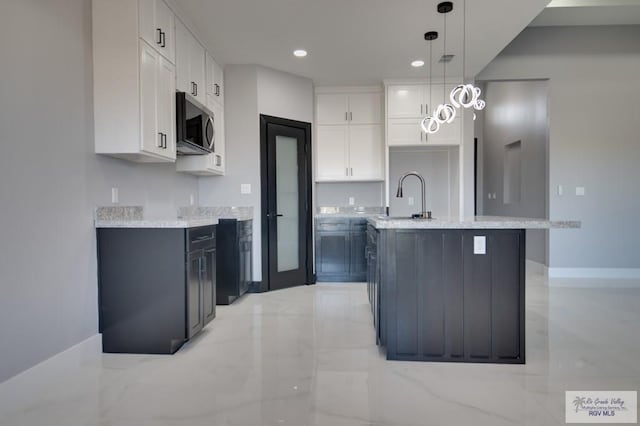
(365, 108)
(408, 104)
(215, 80)
(349, 143)
(332, 153)
(190, 64)
(332, 108)
(405, 101)
(157, 27)
(365, 152)
(133, 80)
(157, 91)
(351, 108)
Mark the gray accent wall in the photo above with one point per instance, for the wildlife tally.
(514, 143)
(593, 140)
(251, 90)
(51, 181)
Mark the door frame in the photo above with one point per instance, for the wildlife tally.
(265, 120)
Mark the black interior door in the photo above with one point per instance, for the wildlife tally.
(286, 190)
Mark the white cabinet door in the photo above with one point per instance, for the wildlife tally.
(219, 148)
(448, 134)
(166, 96)
(365, 108)
(218, 76)
(197, 65)
(405, 131)
(332, 156)
(365, 152)
(210, 79)
(183, 48)
(150, 138)
(156, 23)
(332, 108)
(165, 20)
(405, 101)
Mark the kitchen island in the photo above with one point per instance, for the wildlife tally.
(450, 289)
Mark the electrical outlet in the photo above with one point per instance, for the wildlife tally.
(115, 196)
(245, 188)
(352, 201)
(410, 201)
(479, 244)
(560, 190)
(580, 191)
(192, 200)
(488, 196)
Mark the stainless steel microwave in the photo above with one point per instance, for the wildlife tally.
(195, 128)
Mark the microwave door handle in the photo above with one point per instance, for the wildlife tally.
(211, 142)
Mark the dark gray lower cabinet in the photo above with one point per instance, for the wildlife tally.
(341, 249)
(235, 242)
(156, 287)
(439, 301)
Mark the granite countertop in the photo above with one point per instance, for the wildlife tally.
(349, 212)
(478, 222)
(187, 217)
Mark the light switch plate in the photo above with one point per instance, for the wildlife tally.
(560, 190)
(245, 188)
(352, 201)
(115, 195)
(580, 191)
(479, 244)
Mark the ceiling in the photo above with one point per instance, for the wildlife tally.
(354, 42)
(589, 12)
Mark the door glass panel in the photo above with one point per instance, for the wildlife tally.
(287, 203)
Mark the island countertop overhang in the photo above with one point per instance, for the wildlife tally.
(476, 222)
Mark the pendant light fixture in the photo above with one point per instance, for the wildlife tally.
(445, 113)
(429, 124)
(466, 95)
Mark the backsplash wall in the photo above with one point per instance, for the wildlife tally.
(337, 194)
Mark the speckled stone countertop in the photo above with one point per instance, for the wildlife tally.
(478, 222)
(350, 211)
(187, 217)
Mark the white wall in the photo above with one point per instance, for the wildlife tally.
(252, 90)
(594, 82)
(516, 111)
(51, 181)
(367, 194)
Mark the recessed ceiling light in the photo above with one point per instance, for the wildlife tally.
(417, 64)
(300, 53)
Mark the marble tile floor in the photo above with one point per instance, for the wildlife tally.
(307, 356)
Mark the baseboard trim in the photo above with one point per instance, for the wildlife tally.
(607, 273)
(535, 268)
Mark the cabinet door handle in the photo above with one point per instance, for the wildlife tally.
(159, 144)
(163, 37)
(165, 141)
(351, 169)
(421, 109)
(346, 171)
(426, 109)
(159, 36)
(350, 116)
(196, 84)
(346, 116)
(420, 136)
